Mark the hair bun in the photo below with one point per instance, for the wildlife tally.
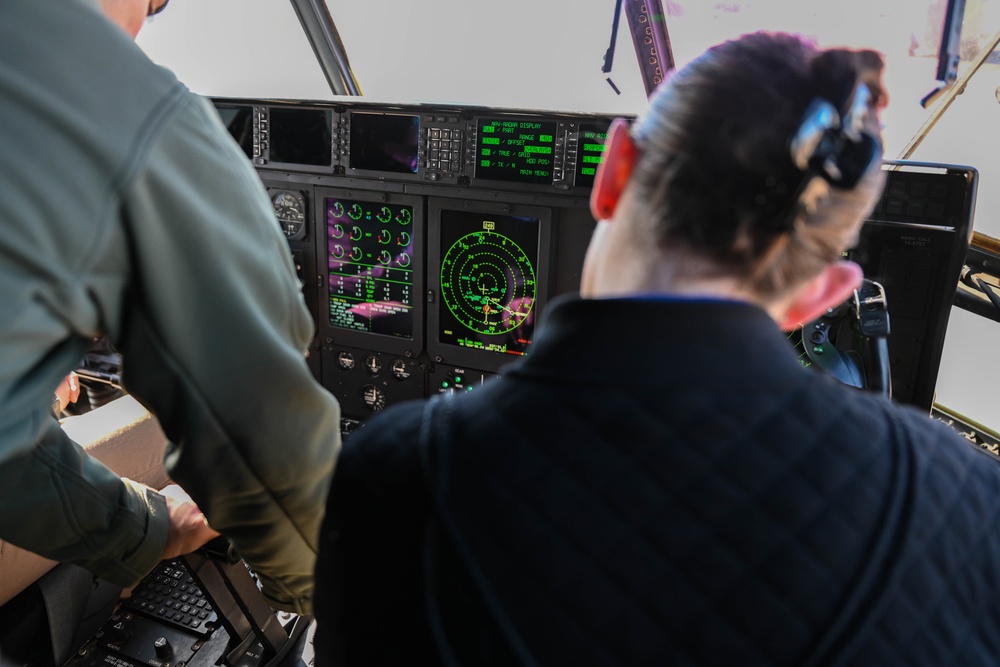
(837, 72)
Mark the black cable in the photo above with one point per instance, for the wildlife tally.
(609, 55)
(987, 289)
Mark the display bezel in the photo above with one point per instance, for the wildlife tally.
(556, 148)
(466, 357)
(352, 141)
(245, 138)
(271, 163)
(380, 342)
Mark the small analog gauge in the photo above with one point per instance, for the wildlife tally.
(337, 209)
(356, 212)
(399, 369)
(345, 360)
(384, 215)
(373, 397)
(290, 209)
(384, 237)
(337, 231)
(404, 217)
(373, 364)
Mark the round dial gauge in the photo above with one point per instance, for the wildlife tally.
(373, 397)
(290, 209)
(487, 282)
(345, 360)
(399, 369)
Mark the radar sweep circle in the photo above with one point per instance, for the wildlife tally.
(488, 282)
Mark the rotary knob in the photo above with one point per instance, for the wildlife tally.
(118, 632)
(163, 648)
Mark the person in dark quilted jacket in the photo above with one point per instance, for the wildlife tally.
(660, 481)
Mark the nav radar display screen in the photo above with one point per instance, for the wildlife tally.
(488, 281)
(515, 150)
(384, 142)
(370, 257)
(301, 136)
(589, 153)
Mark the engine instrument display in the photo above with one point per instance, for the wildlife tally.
(488, 280)
(370, 257)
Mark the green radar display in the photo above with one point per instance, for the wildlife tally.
(488, 281)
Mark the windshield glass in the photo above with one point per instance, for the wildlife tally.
(537, 55)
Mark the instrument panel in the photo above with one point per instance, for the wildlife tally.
(428, 239)
(480, 147)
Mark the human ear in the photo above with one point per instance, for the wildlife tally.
(834, 285)
(614, 171)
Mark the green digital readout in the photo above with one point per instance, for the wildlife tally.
(589, 153)
(517, 150)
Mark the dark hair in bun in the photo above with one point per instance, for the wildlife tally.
(716, 168)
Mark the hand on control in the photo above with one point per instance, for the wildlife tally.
(189, 528)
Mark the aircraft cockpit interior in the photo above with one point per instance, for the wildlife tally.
(434, 212)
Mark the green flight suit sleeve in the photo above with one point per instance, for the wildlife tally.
(213, 342)
(68, 506)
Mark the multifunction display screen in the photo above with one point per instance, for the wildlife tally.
(488, 281)
(384, 142)
(301, 136)
(370, 257)
(515, 150)
(239, 121)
